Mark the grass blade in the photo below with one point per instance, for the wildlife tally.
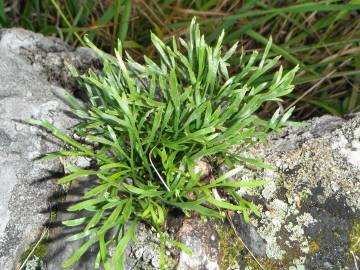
(124, 22)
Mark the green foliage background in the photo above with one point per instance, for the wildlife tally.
(322, 37)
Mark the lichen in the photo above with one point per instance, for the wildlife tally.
(144, 253)
(35, 263)
(273, 222)
(297, 267)
(349, 148)
(38, 254)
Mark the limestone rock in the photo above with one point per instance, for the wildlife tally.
(48, 56)
(202, 238)
(26, 182)
(311, 207)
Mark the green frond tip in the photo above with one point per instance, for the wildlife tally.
(150, 129)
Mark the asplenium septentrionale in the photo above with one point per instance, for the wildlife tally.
(150, 124)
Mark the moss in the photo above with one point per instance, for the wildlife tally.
(230, 247)
(267, 264)
(53, 216)
(313, 247)
(233, 253)
(354, 238)
(40, 251)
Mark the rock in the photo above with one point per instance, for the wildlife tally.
(26, 182)
(310, 210)
(203, 240)
(32, 69)
(48, 56)
(144, 253)
(59, 249)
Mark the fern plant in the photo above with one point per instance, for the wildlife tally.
(150, 124)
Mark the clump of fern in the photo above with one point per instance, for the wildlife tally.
(152, 123)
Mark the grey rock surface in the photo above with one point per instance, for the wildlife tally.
(310, 210)
(48, 56)
(25, 182)
(203, 240)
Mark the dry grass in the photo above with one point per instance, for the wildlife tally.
(323, 37)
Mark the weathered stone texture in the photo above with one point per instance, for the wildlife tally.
(24, 187)
(311, 204)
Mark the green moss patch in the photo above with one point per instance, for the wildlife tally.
(230, 247)
(354, 238)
